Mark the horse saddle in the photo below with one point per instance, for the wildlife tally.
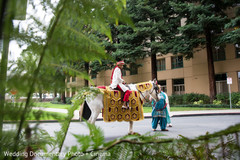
(113, 110)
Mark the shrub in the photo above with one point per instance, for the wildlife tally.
(56, 100)
(175, 99)
(223, 97)
(217, 102)
(189, 98)
(68, 100)
(235, 96)
(238, 104)
(198, 102)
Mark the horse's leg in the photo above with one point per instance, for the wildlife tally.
(81, 112)
(94, 116)
(130, 127)
(96, 106)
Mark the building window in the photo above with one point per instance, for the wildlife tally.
(161, 65)
(177, 62)
(221, 83)
(163, 85)
(219, 53)
(74, 79)
(68, 92)
(94, 76)
(68, 79)
(73, 91)
(178, 86)
(238, 81)
(237, 50)
(133, 69)
(124, 72)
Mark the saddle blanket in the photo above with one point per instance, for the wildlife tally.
(113, 110)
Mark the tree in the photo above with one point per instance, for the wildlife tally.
(154, 26)
(205, 21)
(51, 44)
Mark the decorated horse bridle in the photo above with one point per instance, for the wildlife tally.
(155, 88)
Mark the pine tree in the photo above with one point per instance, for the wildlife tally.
(147, 38)
(204, 26)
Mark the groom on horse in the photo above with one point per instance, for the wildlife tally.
(118, 83)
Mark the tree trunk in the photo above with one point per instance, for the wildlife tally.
(55, 93)
(153, 60)
(211, 71)
(63, 98)
(86, 65)
(4, 36)
(40, 95)
(154, 66)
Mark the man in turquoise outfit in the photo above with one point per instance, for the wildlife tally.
(159, 111)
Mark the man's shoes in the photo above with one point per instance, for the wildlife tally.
(170, 125)
(164, 130)
(125, 107)
(154, 129)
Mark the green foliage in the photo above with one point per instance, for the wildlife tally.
(224, 97)
(85, 93)
(175, 99)
(50, 48)
(235, 96)
(198, 102)
(238, 103)
(72, 35)
(217, 102)
(219, 106)
(190, 98)
(56, 100)
(152, 146)
(204, 22)
(69, 100)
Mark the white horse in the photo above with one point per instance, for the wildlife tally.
(91, 108)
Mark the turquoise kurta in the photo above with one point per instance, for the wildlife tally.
(159, 112)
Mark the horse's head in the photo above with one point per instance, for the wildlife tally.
(148, 89)
(154, 90)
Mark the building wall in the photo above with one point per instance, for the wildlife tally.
(194, 72)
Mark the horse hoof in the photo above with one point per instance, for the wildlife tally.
(134, 133)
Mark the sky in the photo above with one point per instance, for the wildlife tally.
(14, 49)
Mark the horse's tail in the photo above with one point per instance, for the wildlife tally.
(84, 112)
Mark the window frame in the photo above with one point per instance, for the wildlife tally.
(133, 69)
(219, 53)
(178, 63)
(237, 50)
(161, 64)
(179, 85)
